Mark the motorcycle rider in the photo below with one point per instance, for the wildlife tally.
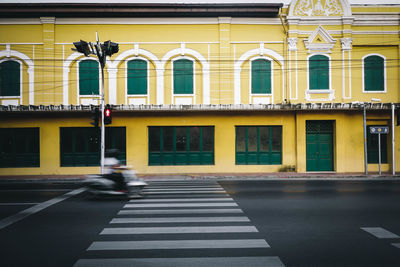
(113, 171)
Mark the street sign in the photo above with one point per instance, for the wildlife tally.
(379, 130)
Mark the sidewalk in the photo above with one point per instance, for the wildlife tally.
(215, 176)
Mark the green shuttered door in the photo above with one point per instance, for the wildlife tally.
(319, 72)
(183, 76)
(261, 76)
(374, 73)
(319, 145)
(137, 77)
(10, 78)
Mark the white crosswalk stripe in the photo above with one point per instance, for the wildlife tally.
(179, 216)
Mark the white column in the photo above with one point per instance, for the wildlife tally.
(112, 86)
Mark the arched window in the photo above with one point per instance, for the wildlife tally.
(10, 78)
(261, 76)
(318, 71)
(137, 77)
(88, 77)
(183, 76)
(374, 73)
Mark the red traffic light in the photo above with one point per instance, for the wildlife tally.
(107, 115)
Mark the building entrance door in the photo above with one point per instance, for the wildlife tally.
(319, 145)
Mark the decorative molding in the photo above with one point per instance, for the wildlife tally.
(224, 20)
(292, 43)
(325, 46)
(319, 8)
(346, 43)
(48, 20)
(330, 93)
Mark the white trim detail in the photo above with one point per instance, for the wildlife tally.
(205, 68)
(320, 47)
(134, 53)
(329, 91)
(31, 73)
(246, 56)
(384, 75)
(310, 10)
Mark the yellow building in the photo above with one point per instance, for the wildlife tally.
(201, 88)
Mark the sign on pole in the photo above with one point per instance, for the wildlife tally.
(379, 130)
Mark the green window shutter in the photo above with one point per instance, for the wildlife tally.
(261, 76)
(183, 76)
(88, 77)
(10, 78)
(318, 72)
(374, 77)
(137, 77)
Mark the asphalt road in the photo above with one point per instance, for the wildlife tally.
(203, 223)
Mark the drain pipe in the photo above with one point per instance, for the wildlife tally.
(393, 146)
(365, 139)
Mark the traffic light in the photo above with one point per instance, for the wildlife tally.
(107, 115)
(398, 116)
(110, 48)
(95, 117)
(83, 47)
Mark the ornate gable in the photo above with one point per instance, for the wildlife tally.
(319, 8)
(319, 41)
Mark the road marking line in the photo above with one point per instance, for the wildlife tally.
(34, 190)
(180, 200)
(179, 211)
(178, 205)
(41, 206)
(18, 203)
(397, 245)
(270, 261)
(181, 219)
(185, 192)
(181, 189)
(179, 244)
(183, 186)
(178, 230)
(379, 232)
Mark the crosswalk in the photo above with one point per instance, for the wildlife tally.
(180, 223)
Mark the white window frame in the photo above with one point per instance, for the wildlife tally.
(384, 75)
(329, 91)
(193, 95)
(79, 96)
(147, 96)
(251, 95)
(20, 79)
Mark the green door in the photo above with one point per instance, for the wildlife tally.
(319, 148)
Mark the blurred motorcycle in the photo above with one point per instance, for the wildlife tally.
(121, 182)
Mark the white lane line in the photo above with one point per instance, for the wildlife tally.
(179, 244)
(183, 186)
(268, 261)
(155, 200)
(181, 189)
(397, 245)
(34, 190)
(180, 211)
(185, 192)
(178, 230)
(41, 206)
(178, 205)
(379, 232)
(18, 203)
(181, 219)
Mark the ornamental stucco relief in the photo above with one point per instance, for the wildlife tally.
(318, 8)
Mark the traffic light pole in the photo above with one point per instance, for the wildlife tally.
(101, 51)
(103, 130)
